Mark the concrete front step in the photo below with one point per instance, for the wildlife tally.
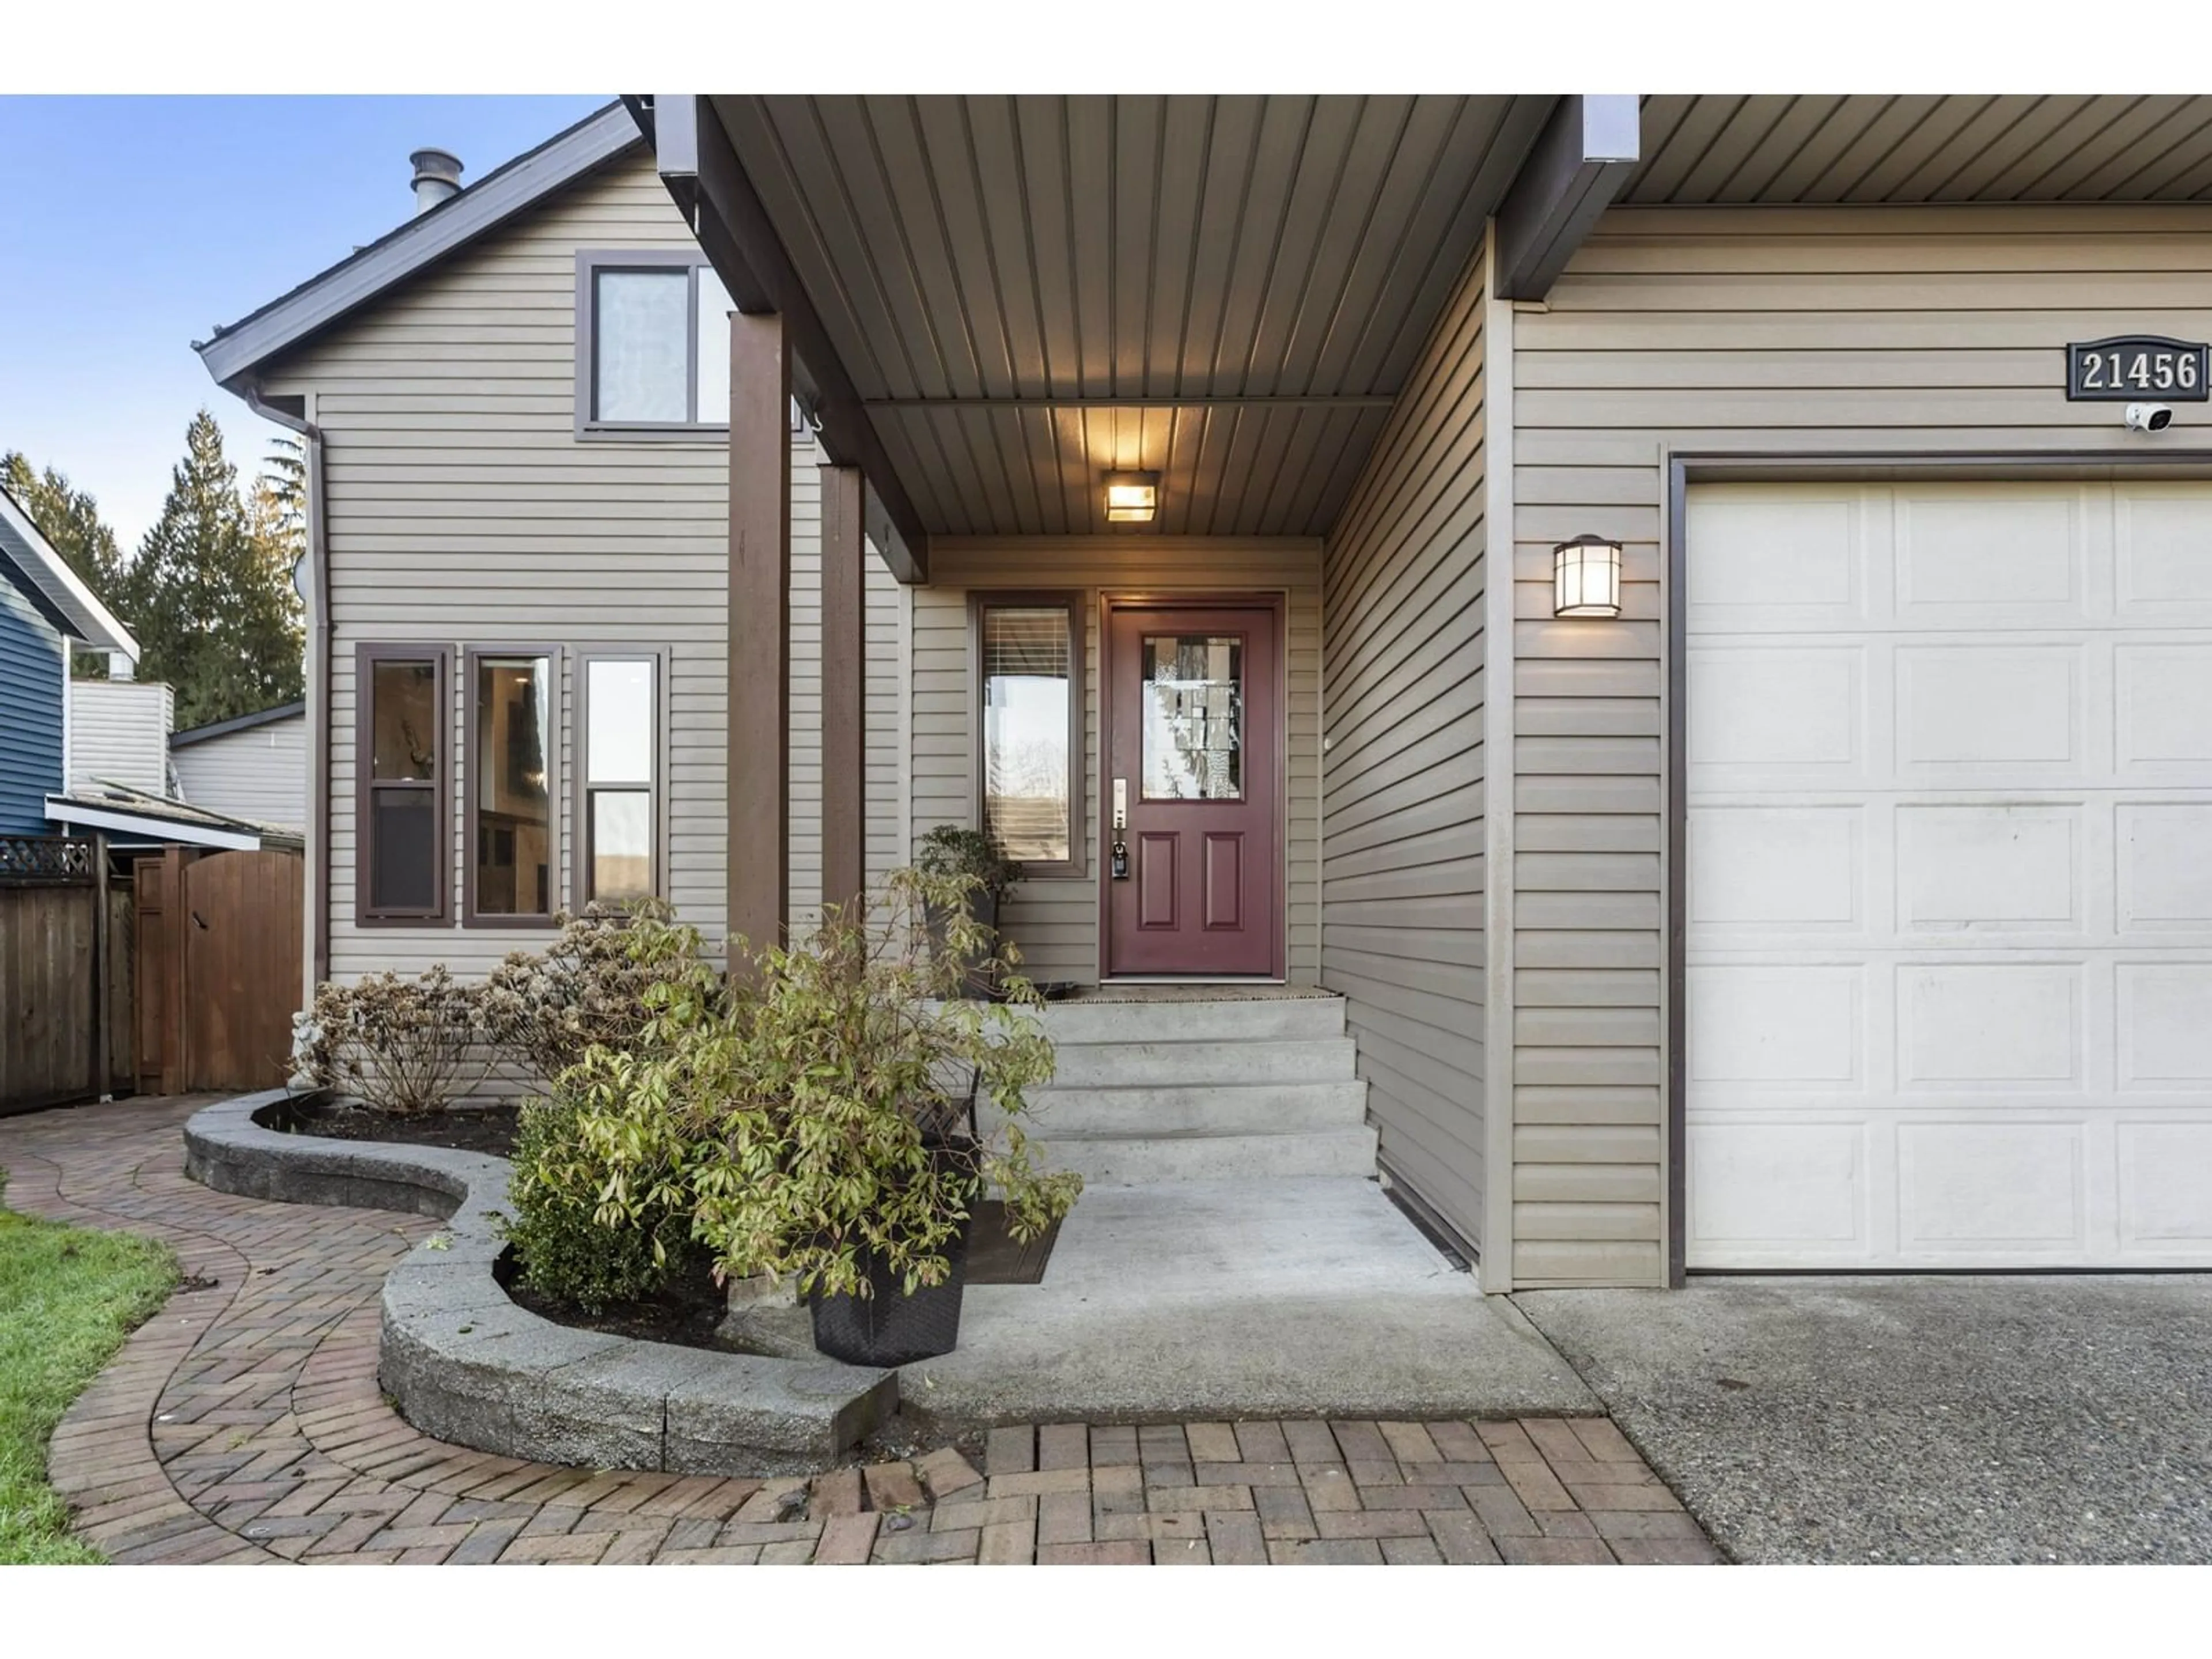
(1121, 1161)
(1209, 1109)
(1248, 1020)
(1165, 1064)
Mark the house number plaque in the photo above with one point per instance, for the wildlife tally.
(2131, 366)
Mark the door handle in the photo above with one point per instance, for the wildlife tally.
(1120, 847)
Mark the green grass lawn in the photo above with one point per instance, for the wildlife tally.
(67, 1298)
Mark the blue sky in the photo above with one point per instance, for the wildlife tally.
(134, 225)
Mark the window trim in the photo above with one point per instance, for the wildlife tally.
(366, 657)
(590, 262)
(656, 793)
(1075, 603)
(470, 764)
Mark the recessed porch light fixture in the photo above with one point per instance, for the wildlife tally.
(1586, 578)
(1132, 497)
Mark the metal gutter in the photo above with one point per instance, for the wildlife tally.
(318, 677)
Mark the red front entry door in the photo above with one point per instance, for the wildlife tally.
(1192, 751)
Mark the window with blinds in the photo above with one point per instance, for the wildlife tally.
(1028, 711)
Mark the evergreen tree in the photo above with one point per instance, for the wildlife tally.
(210, 594)
(284, 474)
(70, 519)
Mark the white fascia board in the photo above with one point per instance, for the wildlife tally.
(95, 627)
(130, 823)
(322, 301)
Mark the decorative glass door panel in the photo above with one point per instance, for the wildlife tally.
(1194, 706)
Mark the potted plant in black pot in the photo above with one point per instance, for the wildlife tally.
(975, 880)
(818, 1121)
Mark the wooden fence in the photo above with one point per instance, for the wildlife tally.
(54, 958)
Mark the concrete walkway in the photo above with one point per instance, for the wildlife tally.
(1310, 1297)
(1982, 1419)
(243, 1424)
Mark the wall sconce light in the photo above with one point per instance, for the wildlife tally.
(1132, 497)
(1586, 578)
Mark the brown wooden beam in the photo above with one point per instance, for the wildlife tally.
(844, 681)
(699, 166)
(759, 829)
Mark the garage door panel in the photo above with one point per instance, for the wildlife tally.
(2164, 853)
(1797, 1191)
(2165, 1188)
(2162, 556)
(1997, 867)
(1739, 584)
(1984, 1189)
(1976, 1026)
(1783, 866)
(1774, 717)
(1970, 713)
(1781, 1026)
(2165, 1026)
(1948, 1000)
(2162, 724)
(2009, 558)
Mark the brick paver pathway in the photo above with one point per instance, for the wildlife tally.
(243, 1424)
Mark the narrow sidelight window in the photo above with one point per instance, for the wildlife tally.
(1028, 653)
(619, 802)
(514, 867)
(405, 829)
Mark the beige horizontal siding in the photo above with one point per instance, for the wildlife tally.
(1054, 921)
(463, 510)
(1404, 790)
(259, 773)
(1792, 331)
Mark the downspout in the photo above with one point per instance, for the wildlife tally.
(319, 682)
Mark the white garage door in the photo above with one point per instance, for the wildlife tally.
(1949, 953)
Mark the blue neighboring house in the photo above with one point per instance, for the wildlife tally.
(45, 609)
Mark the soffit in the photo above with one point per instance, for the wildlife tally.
(1028, 292)
(1866, 148)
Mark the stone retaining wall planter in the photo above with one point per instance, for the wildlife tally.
(466, 1363)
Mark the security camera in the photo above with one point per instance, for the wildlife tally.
(2149, 417)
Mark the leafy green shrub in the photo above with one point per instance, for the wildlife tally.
(585, 1235)
(798, 1124)
(402, 1046)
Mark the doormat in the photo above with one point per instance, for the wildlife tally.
(994, 1257)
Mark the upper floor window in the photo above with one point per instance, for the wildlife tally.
(653, 343)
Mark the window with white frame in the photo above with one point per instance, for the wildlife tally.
(653, 342)
(619, 772)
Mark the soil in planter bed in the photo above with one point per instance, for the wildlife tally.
(686, 1313)
(476, 1129)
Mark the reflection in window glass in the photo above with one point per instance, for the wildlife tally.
(643, 345)
(404, 699)
(1194, 711)
(1027, 664)
(513, 821)
(619, 743)
(622, 844)
(404, 832)
(714, 308)
(621, 734)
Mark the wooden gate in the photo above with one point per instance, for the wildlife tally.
(50, 967)
(219, 961)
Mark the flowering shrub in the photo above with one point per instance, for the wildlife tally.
(545, 1011)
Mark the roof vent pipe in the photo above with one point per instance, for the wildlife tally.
(437, 178)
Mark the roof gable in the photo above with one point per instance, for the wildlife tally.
(238, 350)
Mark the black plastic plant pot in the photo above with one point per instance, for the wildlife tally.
(890, 1328)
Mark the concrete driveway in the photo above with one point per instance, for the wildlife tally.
(1898, 1419)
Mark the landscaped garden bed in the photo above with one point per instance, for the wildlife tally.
(467, 1129)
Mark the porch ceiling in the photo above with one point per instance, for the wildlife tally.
(1027, 292)
(1872, 148)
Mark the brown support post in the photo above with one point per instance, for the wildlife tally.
(759, 829)
(844, 683)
